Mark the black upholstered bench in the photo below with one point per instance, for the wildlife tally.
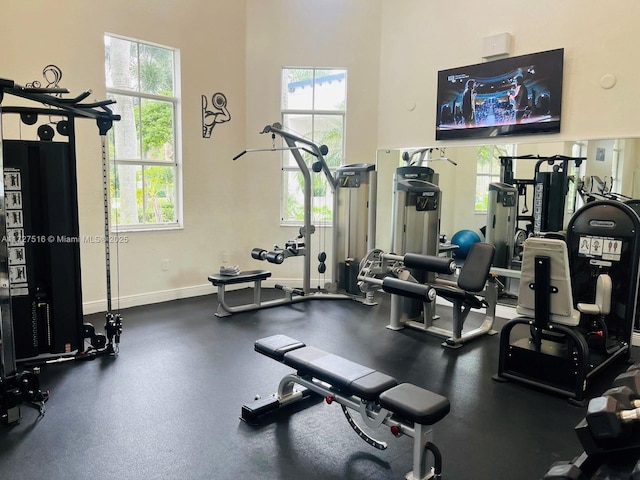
(242, 277)
(376, 396)
(220, 281)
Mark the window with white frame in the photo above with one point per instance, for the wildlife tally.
(313, 106)
(488, 171)
(145, 176)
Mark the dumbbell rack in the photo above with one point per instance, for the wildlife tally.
(611, 445)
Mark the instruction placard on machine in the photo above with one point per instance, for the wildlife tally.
(602, 247)
(15, 232)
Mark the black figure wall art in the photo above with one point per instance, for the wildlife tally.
(218, 113)
(52, 74)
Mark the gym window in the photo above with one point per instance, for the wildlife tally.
(488, 171)
(145, 167)
(313, 106)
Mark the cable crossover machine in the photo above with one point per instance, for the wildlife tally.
(40, 282)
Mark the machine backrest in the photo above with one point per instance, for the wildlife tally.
(561, 302)
(473, 274)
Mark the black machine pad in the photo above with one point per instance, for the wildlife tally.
(416, 404)
(406, 288)
(276, 346)
(473, 274)
(347, 376)
(242, 277)
(452, 294)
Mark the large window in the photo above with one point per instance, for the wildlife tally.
(313, 106)
(488, 171)
(145, 175)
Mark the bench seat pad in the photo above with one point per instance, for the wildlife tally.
(346, 376)
(415, 404)
(276, 346)
(243, 277)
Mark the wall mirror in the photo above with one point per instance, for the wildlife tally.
(611, 165)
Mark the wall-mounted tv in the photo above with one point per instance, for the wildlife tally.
(511, 96)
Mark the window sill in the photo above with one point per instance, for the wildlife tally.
(140, 228)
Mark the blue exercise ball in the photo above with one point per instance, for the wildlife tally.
(465, 240)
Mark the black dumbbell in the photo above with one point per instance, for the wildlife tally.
(629, 379)
(626, 397)
(635, 474)
(606, 417)
(635, 366)
(564, 471)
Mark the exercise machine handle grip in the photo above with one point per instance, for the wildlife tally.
(239, 155)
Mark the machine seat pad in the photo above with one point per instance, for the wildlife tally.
(243, 277)
(346, 376)
(276, 346)
(415, 404)
(453, 294)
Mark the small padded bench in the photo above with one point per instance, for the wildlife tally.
(242, 277)
(220, 281)
(405, 407)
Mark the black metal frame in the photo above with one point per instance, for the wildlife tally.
(507, 176)
(558, 357)
(23, 387)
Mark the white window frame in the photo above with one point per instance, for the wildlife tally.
(492, 176)
(313, 113)
(177, 144)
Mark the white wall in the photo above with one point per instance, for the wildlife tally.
(419, 38)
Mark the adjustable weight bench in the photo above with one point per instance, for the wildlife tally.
(406, 408)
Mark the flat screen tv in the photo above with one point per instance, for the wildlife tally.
(511, 96)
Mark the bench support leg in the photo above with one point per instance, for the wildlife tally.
(422, 434)
(221, 311)
(257, 289)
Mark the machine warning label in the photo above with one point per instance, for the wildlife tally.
(605, 248)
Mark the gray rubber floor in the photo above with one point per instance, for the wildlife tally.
(167, 407)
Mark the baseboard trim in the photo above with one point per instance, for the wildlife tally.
(137, 300)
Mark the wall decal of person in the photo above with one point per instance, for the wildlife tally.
(218, 114)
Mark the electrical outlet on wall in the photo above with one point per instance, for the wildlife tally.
(164, 264)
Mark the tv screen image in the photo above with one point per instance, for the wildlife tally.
(510, 96)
